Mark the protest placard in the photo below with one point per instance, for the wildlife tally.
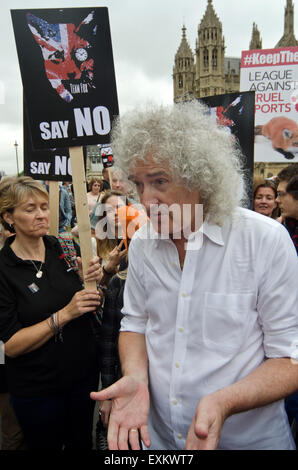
(273, 75)
(235, 111)
(67, 70)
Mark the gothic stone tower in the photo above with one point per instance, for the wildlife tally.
(210, 52)
(184, 71)
(212, 73)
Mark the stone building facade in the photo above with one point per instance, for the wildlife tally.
(93, 161)
(207, 71)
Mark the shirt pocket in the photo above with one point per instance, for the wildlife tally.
(225, 318)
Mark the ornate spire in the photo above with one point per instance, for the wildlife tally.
(210, 18)
(184, 71)
(256, 41)
(288, 39)
(184, 50)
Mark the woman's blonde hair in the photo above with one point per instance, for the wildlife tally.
(14, 190)
(106, 245)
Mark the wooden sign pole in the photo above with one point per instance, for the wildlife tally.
(54, 207)
(82, 213)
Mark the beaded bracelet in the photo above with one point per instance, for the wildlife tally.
(55, 327)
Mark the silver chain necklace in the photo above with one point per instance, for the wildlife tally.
(39, 272)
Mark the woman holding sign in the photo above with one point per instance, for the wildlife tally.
(45, 324)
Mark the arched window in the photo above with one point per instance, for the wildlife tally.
(214, 58)
(180, 81)
(206, 58)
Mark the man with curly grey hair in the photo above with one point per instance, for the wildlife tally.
(210, 322)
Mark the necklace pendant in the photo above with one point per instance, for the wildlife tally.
(39, 274)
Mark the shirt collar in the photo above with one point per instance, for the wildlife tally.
(210, 230)
(213, 232)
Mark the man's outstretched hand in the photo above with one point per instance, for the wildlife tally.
(129, 413)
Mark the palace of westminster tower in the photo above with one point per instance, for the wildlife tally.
(208, 72)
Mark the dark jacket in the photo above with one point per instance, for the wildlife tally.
(292, 227)
(109, 332)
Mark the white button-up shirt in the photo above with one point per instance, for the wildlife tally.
(211, 324)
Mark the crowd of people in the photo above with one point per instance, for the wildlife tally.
(191, 334)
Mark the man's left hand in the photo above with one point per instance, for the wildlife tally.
(205, 429)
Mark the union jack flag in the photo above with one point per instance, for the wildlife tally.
(67, 56)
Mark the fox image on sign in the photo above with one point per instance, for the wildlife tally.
(67, 55)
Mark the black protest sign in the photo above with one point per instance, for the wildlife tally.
(236, 111)
(52, 164)
(67, 69)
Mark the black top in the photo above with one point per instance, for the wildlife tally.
(292, 227)
(3, 378)
(105, 185)
(25, 301)
(109, 332)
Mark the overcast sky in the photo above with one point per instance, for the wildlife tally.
(145, 36)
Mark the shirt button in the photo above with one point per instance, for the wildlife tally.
(181, 329)
(175, 402)
(179, 436)
(177, 365)
(184, 294)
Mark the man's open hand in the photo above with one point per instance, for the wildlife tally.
(129, 413)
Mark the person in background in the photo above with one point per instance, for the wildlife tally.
(95, 187)
(65, 212)
(122, 184)
(210, 299)
(108, 231)
(105, 179)
(265, 194)
(108, 334)
(287, 199)
(109, 235)
(69, 188)
(46, 318)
